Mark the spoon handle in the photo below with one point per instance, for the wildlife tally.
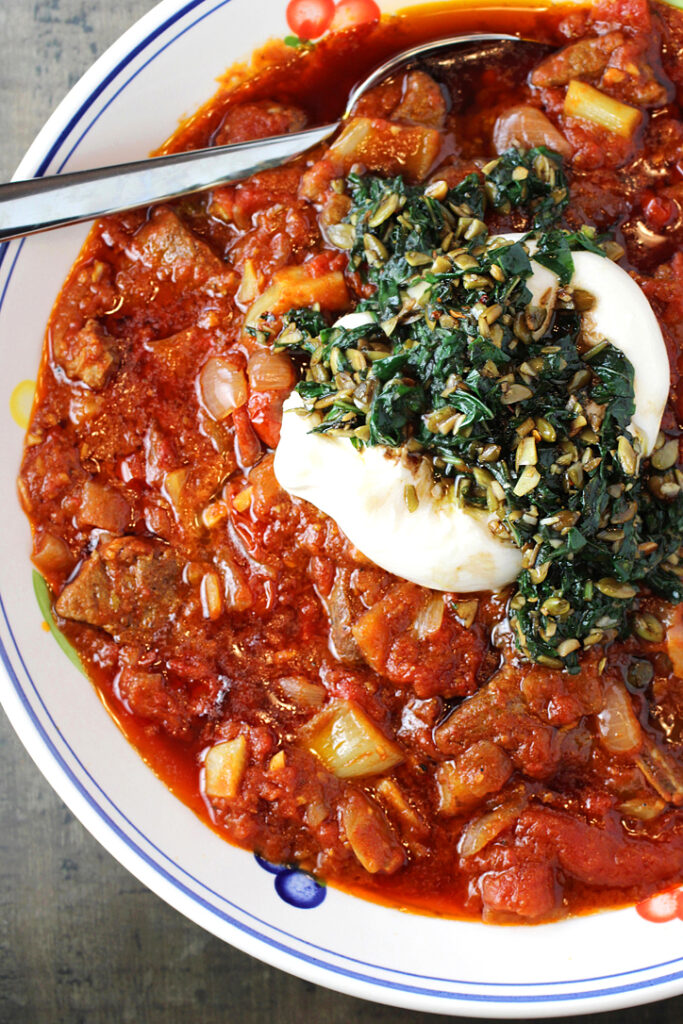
(38, 204)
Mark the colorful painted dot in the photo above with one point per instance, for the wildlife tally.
(273, 869)
(21, 403)
(299, 889)
(293, 885)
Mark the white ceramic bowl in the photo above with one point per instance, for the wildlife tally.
(131, 99)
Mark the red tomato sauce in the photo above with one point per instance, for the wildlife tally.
(214, 612)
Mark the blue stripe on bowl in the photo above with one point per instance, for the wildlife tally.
(356, 972)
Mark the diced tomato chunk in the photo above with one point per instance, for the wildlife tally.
(265, 413)
(247, 444)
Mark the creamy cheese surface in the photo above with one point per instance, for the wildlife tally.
(623, 316)
(440, 544)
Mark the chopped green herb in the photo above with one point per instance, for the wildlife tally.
(503, 397)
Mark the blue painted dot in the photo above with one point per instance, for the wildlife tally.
(274, 869)
(299, 889)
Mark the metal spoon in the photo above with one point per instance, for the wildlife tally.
(27, 207)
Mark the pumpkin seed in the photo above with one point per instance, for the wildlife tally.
(515, 393)
(526, 454)
(437, 189)
(474, 228)
(627, 456)
(583, 300)
(648, 627)
(666, 456)
(539, 572)
(471, 281)
(529, 479)
(546, 430)
(614, 588)
(441, 265)
(418, 259)
(556, 606)
(342, 236)
(375, 251)
(543, 659)
(410, 497)
(490, 453)
(386, 209)
(568, 646)
(465, 262)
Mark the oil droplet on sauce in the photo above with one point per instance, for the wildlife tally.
(21, 402)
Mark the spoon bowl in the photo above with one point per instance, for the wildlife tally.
(40, 204)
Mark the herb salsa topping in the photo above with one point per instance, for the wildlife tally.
(450, 360)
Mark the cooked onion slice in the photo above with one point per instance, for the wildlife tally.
(302, 692)
(370, 836)
(270, 371)
(349, 743)
(223, 387)
(224, 767)
(483, 830)
(618, 726)
(662, 772)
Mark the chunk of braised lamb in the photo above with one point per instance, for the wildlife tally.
(178, 356)
(343, 607)
(603, 854)
(49, 470)
(665, 291)
(482, 769)
(91, 355)
(259, 120)
(280, 236)
(562, 699)
(422, 101)
(129, 586)
(238, 203)
(370, 835)
(412, 639)
(51, 554)
(166, 247)
(630, 76)
(585, 57)
(526, 891)
(499, 713)
(600, 198)
(418, 720)
(104, 507)
(147, 695)
(524, 127)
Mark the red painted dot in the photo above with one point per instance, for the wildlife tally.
(350, 13)
(660, 908)
(308, 19)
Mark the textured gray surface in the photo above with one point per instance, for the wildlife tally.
(80, 939)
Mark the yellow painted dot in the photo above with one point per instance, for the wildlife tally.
(21, 403)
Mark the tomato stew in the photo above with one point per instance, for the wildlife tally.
(307, 704)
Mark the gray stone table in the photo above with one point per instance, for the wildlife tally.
(80, 939)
